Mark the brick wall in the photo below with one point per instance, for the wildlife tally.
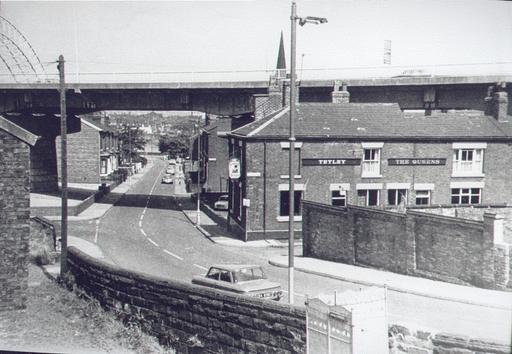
(14, 221)
(437, 247)
(43, 165)
(177, 311)
(83, 156)
(477, 213)
(218, 155)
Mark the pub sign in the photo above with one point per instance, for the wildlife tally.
(417, 162)
(335, 161)
(234, 169)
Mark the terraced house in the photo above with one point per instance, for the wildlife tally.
(93, 153)
(370, 155)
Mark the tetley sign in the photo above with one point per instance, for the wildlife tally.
(330, 162)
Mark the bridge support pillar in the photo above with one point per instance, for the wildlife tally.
(43, 166)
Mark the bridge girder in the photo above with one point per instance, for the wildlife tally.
(234, 98)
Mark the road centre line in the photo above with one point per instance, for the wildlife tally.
(200, 267)
(173, 255)
(153, 242)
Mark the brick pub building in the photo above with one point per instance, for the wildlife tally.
(369, 155)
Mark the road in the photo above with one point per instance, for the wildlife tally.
(147, 232)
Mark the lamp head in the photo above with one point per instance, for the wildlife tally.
(312, 19)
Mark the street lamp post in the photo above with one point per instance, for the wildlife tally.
(291, 170)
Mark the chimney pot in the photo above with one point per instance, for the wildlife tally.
(342, 96)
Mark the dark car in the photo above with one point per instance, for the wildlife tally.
(222, 203)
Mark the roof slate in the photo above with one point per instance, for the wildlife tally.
(374, 120)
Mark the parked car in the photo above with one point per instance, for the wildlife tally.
(167, 178)
(222, 203)
(241, 279)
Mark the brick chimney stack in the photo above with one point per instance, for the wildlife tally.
(499, 106)
(338, 96)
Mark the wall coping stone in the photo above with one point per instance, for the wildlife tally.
(18, 132)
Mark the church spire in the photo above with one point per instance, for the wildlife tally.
(281, 60)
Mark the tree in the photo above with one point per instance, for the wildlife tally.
(174, 145)
(132, 141)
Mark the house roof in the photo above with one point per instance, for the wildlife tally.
(95, 124)
(370, 121)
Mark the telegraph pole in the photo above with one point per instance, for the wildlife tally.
(64, 170)
(198, 219)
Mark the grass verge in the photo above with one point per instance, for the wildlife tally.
(58, 320)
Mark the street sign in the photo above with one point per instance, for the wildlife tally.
(234, 169)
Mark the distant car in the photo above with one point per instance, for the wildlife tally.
(171, 169)
(172, 161)
(242, 279)
(167, 179)
(222, 203)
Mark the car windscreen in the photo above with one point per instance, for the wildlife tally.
(246, 274)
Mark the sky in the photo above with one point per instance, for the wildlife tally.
(145, 41)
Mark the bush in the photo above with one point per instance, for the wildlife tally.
(141, 159)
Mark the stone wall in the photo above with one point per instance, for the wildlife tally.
(433, 246)
(408, 340)
(14, 220)
(180, 313)
(43, 240)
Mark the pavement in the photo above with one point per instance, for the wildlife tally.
(355, 274)
(97, 210)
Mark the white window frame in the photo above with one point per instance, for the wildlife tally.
(342, 196)
(396, 193)
(300, 187)
(427, 194)
(466, 192)
(367, 197)
(103, 167)
(468, 159)
(370, 168)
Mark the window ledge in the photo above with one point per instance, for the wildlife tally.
(286, 218)
(287, 177)
(454, 174)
